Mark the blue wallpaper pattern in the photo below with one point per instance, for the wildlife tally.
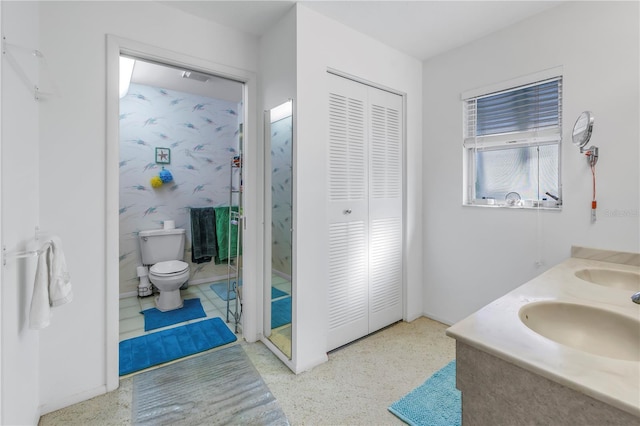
(281, 177)
(203, 136)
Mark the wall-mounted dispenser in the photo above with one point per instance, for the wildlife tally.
(581, 135)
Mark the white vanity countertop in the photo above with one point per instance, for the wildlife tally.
(497, 330)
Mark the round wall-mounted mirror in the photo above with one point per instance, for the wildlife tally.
(582, 129)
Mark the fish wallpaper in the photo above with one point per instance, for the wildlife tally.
(203, 136)
(281, 177)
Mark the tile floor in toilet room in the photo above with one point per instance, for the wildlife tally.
(132, 322)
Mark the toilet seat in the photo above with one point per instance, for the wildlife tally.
(169, 268)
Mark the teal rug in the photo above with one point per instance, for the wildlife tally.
(280, 312)
(167, 345)
(436, 402)
(221, 290)
(154, 318)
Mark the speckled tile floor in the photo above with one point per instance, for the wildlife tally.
(354, 388)
(360, 380)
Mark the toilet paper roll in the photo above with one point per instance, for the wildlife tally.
(142, 271)
(169, 224)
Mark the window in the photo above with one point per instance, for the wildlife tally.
(512, 146)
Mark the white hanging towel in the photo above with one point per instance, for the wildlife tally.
(52, 285)
(60, 285)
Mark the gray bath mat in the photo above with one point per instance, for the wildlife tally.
(218, 388)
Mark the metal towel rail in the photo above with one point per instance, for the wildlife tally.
(21, 254)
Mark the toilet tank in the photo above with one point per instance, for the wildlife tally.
(161, 245)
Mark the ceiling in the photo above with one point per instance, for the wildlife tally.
(253, 17)
(421, 29)
(171, 78)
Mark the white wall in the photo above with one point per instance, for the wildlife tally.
(278, 62)
(474, 255)
(73, 200)
(20, 370)
(321, 44)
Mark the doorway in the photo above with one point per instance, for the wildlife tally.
(195, 67)
(180, 150)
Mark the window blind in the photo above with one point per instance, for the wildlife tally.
(522, 116)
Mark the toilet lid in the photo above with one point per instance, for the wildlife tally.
(169, 267)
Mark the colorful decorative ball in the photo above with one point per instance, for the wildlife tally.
(156, 182)
(165, 176)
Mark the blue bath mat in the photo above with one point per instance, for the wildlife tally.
(154, 318)
(221, 290)
(280, 312)
(436, 402)
(174, 343)
(275, 293)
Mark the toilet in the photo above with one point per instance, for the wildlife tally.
(162, 251)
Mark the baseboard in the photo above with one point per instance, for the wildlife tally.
(310, 365)
(208, 280)
(438, 318)
(71, 400)
(128, 294)
(412, 318)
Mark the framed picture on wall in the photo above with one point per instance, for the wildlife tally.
(163, 155)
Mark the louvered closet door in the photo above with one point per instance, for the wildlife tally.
(385, 209)
(348, 212)
(365, 210)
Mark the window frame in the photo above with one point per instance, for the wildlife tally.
(471, 144)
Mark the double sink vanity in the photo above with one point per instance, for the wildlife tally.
(564, 348)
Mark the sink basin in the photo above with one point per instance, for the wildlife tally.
(597, 331)
(611, 278)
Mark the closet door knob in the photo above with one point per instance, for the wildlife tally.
(347, 211)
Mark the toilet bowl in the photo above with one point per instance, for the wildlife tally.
(168, 277)
(163, 251)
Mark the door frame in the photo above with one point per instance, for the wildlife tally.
(253, 228)
(2, 271)
(405, 169)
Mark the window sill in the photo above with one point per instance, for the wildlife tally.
(524, 206)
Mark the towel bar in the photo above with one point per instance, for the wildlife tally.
(18, 254)
(21, 254)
